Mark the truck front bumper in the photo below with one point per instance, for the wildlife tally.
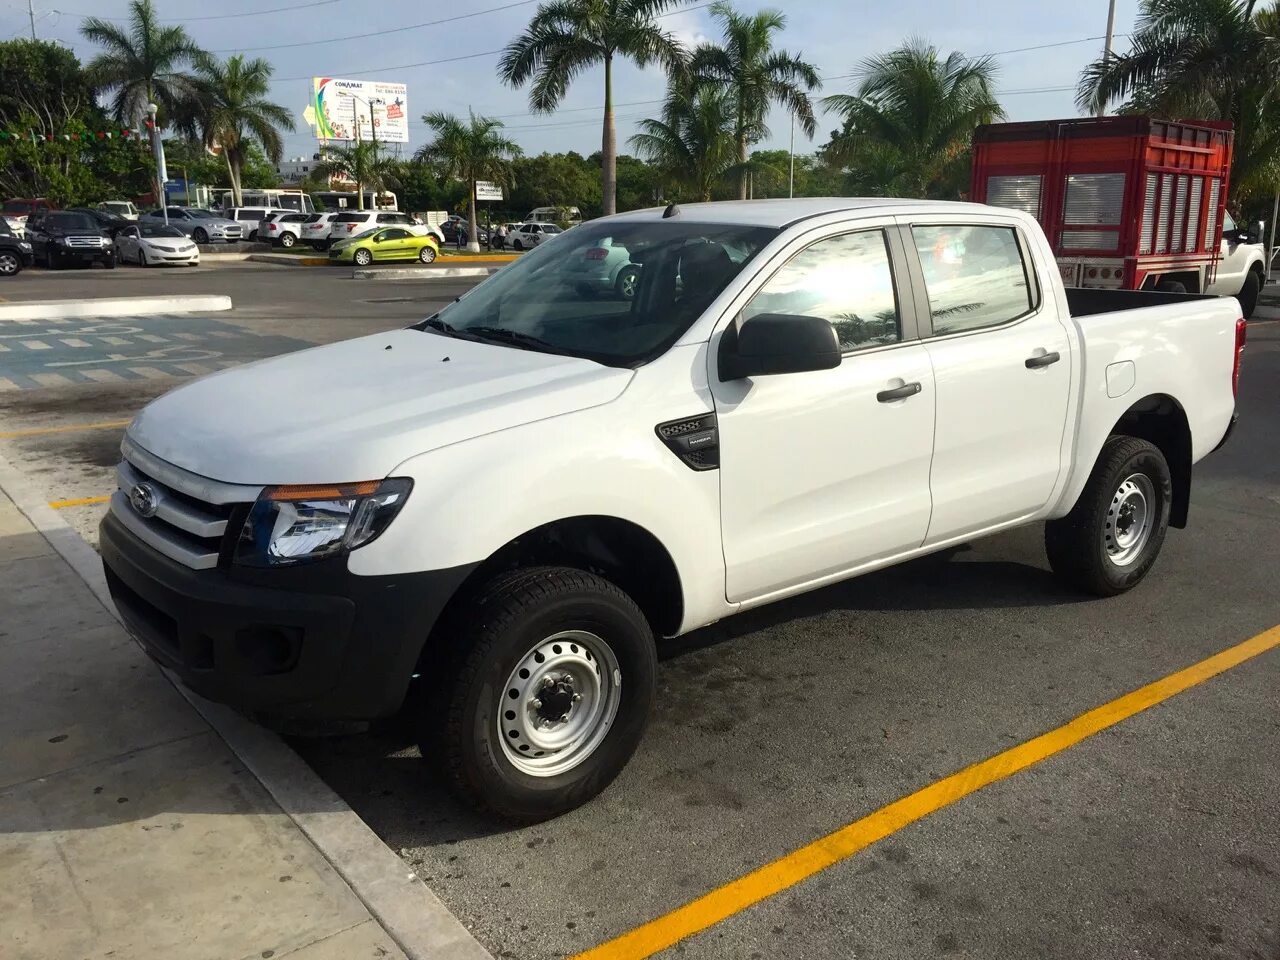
(312, 641)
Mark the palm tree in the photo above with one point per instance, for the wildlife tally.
(1212, 59)
(361, 164)
(469, 150)
(567, 37)
(693, 146)
(757, 75)
(908, 126)
(233, 108)
(143, 63)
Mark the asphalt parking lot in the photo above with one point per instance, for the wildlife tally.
(1157, 837)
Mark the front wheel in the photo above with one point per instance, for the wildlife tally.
(10, 264)
(1112, 536)
(142, 258)
(625, 285)
(199, 235)
(427, 254)
(548, 694)
(517, 245)
(362, 258)
(1248, 295)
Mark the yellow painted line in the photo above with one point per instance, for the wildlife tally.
(787, 871)
(77, 502)
(66, 428)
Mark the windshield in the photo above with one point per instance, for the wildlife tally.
(71, 221)
(616, 292)
(160, 230)
(364, 233)
(110, 207)
(201, 214)
(18, 206)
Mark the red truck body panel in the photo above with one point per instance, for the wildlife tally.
(1123, 200)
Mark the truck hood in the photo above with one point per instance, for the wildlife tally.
(355, 410)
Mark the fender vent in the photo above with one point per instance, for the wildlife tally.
(695, 440)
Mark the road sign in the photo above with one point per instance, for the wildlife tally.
(488, 191)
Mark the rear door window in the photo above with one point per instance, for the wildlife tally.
(976, 276)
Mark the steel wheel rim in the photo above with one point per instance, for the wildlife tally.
(629, 281)
(559, 703)
(1131, 516)
(8, 263)
(427, 255)
(364, 257)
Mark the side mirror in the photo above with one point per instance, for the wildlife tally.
(773, 343)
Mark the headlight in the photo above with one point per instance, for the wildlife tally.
(299, 523)
(23, 245)
(65, 241)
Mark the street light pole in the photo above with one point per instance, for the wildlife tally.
(31, 15)
(157, 148)
(791, 178)
(1106, 50)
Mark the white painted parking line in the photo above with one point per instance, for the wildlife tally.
(224, 364)
(189, 336)
(115, 341)
(34, 344)
(224, 334)
(152, 338)
(150, 373)
(51, 379)
(3, 348)
(194, 368)
(102, 376)
(74, 342)
(6, 385)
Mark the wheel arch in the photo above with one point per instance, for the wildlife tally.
(1160, 420)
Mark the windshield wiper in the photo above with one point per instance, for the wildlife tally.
(524, 341)
(435, 323)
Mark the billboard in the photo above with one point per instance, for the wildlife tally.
(341, 107)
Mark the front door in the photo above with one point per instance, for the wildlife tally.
(1228, 274)
(1002, 365)
(826, 471)
(392, 244)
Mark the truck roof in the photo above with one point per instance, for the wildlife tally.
(784, 212)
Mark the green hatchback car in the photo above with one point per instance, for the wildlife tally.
(385, 243)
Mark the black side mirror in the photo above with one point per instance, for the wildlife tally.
(773, 343)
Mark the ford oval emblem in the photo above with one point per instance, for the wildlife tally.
(144, 499)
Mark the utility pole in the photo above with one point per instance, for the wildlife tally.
(791, 179)
(31, 15)
(355, 122)
(1106, 50)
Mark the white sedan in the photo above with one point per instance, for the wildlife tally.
(148, 244)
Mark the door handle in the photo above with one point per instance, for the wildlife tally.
(899, 393)
(1048, 359)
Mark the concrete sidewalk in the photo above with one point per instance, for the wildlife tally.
(129, 827)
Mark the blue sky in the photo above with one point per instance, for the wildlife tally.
(833, 34)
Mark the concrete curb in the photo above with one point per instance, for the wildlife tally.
(288, 260)
(422, 273)
(110, 307)
(413, 916)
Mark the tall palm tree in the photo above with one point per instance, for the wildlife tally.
(361, 164)
(757, 74)
(469, 150)
(909, 123)
(233, 108)
(143, 62)
(567, 37)
(1212, 59)
(693, 145)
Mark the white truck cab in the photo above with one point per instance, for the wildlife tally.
(495, 512)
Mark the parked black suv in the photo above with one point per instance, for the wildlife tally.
(59, 237)
(15, 253)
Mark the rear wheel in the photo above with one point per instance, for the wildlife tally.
(548, 693)
(625, 285)
(427, 254)
(1248, 295)
(287, 239)
(1112, 536)
(1171, 286)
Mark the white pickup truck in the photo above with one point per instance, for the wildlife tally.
(489, 517)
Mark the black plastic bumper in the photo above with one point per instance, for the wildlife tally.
(313, 641)
(1227, 436)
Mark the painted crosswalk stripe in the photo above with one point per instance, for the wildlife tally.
(8, 385)
(51, 379)
(150, 373)
(34, 344)
(3, 348)
(74, 342)
(225, 334)
(194, 368)
(224, 364)
(103, 376)
(189, 336)
(152, 338)
(115, 341)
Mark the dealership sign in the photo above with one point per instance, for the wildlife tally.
(341, 108)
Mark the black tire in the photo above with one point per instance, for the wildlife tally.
(362, 258)
(287, 240)
(200, 235)
(625, 285)
(109, 264)
(142, 257)
(517, 245)
(1171, 286)
(427, 255)
(1080, 545)
(50, 263)
(10, 264)
(1248, 295)
(507, 619)
(253, 236)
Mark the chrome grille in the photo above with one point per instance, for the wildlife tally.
(187, 517)
(86, 242)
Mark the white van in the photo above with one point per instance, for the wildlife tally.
(294, 201)
(554, 215)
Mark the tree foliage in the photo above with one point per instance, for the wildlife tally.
(469, 150)
(363, 164)
(909, 125)
(693, 146)
(567, 37)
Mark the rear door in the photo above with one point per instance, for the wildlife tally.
(1001, 362)
(826, 471)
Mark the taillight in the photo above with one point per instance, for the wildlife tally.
(597, 253)
(272, 227)
(1241, 336)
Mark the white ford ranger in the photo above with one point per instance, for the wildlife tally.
(489, 517)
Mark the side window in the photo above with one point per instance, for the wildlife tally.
(976, 276)
(394, 234)
(847, 280)
(1228, 223)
